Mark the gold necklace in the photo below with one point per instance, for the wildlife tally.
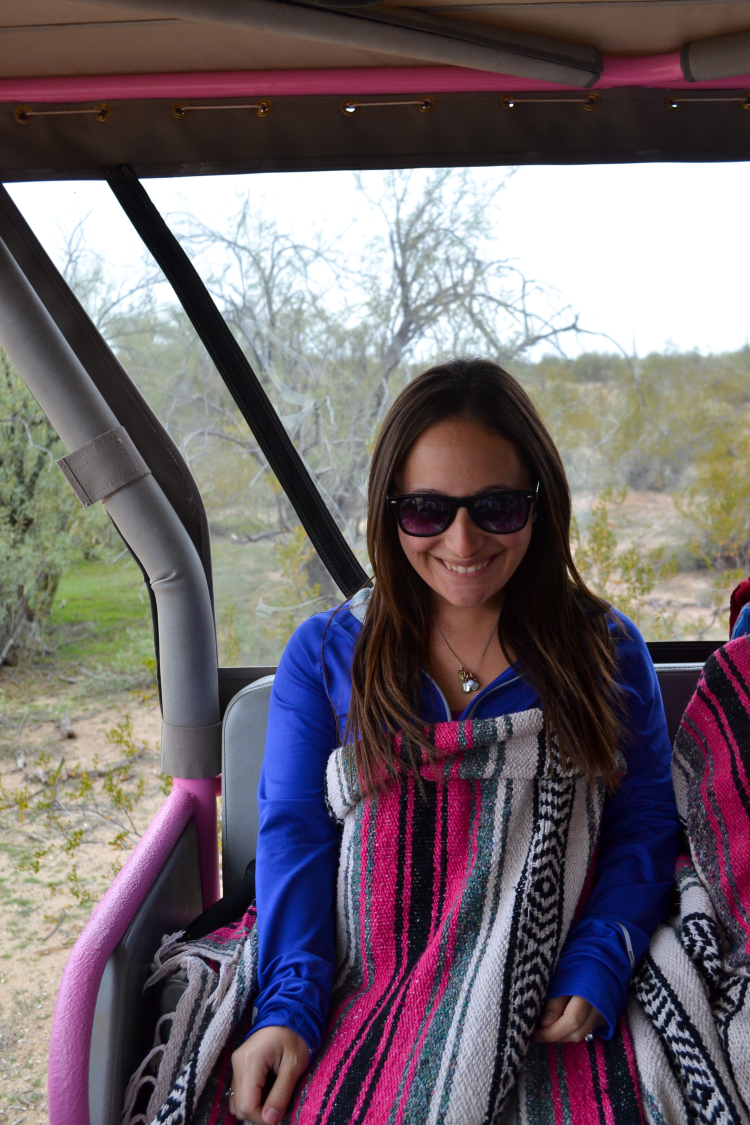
(469, 681)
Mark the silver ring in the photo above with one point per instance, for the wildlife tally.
(590, 1037)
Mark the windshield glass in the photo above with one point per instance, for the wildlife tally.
(611, 292)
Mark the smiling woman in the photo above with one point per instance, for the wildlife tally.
(465, 566)
(461, 929)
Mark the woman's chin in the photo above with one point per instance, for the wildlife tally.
(465, 595)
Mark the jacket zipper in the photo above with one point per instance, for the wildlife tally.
(481, 697)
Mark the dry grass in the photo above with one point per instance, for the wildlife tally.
(43, 911)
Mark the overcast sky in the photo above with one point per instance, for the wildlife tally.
(653, 255)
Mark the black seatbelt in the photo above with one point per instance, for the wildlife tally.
(244, 385)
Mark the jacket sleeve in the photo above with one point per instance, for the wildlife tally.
(297, 846)
(638, 846)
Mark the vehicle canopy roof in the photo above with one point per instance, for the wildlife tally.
(292, 85)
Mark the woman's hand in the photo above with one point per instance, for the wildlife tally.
(567, 1019)
(272, 1049)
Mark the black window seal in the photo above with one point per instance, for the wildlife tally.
(242, 382)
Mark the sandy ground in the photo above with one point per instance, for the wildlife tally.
(686, 605)
(38, 927)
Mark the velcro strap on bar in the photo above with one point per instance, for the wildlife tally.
(103, 466)
(191, 751)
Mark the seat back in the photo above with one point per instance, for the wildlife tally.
(677, 683)
(244, 736)
(243, 743)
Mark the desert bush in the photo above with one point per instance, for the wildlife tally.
(623, 576)
(43, 528)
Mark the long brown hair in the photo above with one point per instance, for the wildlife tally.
(549, 620)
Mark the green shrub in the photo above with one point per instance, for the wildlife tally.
(43, 528)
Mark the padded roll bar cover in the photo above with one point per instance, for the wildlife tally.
(243, 745)
(126, 402)
(725, 56)
(141, 513)
(192, 749)
(48, 366)
(518, 53)
(101, 467)
(187, 636)
(381, 30)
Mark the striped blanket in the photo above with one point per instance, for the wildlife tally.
(185, 1078)
(453, 904)
(689, 1010)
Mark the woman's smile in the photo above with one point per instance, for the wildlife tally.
(466, 569)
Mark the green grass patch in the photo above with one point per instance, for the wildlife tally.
(104, 610)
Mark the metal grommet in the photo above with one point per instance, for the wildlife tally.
(592, 102)
(349, 109)
(23, 114)
(745, 103)
(672, 102)
(180, 111)
(263, 108)
(102, 111)
(426, 105)
(508, 101)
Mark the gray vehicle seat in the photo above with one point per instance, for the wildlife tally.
(243, 742)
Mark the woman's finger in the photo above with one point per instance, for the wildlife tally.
(248, 1080)
(592, 1020)
(553, 1009)
(568, 1025)
(291, 1067)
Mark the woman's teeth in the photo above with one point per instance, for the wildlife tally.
(465, 569)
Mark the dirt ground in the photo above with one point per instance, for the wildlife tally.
(693, 603)
(44, 906)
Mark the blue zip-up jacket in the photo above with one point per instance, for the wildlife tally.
(298, 844)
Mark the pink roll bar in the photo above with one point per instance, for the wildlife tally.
(656, 70)
(70, 1043)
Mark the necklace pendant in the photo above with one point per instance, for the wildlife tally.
(468, 683)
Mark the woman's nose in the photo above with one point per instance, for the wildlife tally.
(463, 537)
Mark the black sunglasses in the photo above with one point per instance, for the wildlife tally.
(430, 513)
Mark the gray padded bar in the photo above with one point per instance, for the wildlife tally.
(430, 39)
(100, 467)
(186, 748)
(141, 512)
(130, 408)
(725, 56)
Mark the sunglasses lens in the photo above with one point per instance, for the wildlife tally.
(423, 515)
(502, 513)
